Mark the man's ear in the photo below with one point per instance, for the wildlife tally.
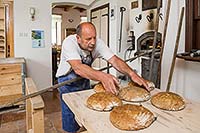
(78, 38)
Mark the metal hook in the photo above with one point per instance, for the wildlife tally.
(137, 19)
(150, 17)
(161, 16)
(122, 9)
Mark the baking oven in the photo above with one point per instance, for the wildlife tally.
(144, 18)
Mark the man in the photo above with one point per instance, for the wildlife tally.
(78, 53)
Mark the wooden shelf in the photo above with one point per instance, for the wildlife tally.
(2, 32)
(187, 57)
(2, 41)
(1, 50)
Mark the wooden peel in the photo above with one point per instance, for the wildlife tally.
(175, 50)
(164, 37)
(155, 39)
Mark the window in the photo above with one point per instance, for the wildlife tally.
(83, 19)
(56, 29)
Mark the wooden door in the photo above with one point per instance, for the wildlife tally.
(99, 17)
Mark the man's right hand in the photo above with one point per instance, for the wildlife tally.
(110, 83)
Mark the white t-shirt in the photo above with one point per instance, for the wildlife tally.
(72, 51)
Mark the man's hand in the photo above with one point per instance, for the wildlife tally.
(139, 80)
(122, 67)
(110, 83)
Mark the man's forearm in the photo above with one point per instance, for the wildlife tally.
(125, 69)
(88, 72)
(121, 66)
(109, 81)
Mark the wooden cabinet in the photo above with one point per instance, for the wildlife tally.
(12, 75)
(2, 32)
(192, 34)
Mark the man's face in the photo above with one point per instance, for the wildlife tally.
(87, 40)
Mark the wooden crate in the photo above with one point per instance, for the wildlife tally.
(12, 75)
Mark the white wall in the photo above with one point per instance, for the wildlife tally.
(38, 60)
(115, 24)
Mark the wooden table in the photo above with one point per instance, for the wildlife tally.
(184, 121)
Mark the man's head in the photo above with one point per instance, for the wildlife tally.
(86, 36)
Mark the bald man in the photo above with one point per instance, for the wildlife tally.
(78, 53)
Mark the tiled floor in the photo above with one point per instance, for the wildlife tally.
(14, 122)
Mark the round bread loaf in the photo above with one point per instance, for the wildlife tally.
(168, 101)
(134, 93)
(99, 88)
(131, 117)
(103, 101)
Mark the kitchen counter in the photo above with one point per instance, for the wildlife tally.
(184, 121)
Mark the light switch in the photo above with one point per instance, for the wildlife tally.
(23, 34)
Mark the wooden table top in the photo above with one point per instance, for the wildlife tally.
(184, 121)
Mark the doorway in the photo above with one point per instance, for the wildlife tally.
(65, 18)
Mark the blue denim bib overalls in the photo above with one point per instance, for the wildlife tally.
(69, 123)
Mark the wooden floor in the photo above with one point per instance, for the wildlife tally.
(14, 122)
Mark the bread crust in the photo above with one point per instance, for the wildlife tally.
(134, 93)
(99, 88)
(168, 101)
(103, 101)
(131, 117)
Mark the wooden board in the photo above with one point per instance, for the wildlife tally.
(37, 102)
(10, 68)
(184, 121)
(11, 80)
(12, 60)
(11, 90)
(10, 98)
(34, 109)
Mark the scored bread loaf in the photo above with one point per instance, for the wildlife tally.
(168, 101)
(131, 117)
(103, 101)
(134, 93)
